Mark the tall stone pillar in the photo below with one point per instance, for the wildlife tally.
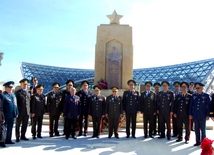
(114, 53)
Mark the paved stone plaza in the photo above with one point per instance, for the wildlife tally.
(103, 145)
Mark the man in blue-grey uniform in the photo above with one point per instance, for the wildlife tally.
(9, 106)
(199, 111)
(84, 95)
(71, 110)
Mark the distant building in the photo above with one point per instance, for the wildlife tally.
(198, 71)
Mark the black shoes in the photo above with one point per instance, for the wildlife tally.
(161, 137)
(179, 140)
(3, 145)
(151, 136)
(74, 137)
(93, 136)
(51, 135)
(24, 138)
(34, 137)
(117, 137)
(39, 136)
(197, 144)
(80, 134)
(145, 136)
(9, 142)
(127, 136)
(168, 138)
(85, 134)
(186, 141)
(17, 140)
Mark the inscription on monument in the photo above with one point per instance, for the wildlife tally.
(114, 67)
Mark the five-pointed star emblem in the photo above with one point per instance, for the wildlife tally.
(114, 18)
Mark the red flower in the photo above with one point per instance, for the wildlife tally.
(206, 146)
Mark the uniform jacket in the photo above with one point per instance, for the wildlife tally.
(97, 106)
(148, 102)
(84, 97)
(200, 106)
(114, 106)
(165, 102)
(9, 105)
(182, 103)
(212, 106)
(54, 103)
(38, 104)
(72, 107)
(131, 102)
(191, 92)
(23, 102)
(65, 93)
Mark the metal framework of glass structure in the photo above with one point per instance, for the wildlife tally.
(198, 71)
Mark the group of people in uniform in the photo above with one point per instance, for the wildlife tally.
(181, 106)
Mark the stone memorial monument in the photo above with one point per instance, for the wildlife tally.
(114, 53)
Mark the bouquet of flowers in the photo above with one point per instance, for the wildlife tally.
(122, 119)
(206, 146)
(103, 84)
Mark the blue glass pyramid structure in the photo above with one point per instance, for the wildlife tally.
(198, 71)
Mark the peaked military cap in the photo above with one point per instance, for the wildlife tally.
(192, 83)
(131, 82)
(34, 79)
(24, 81)
(56, 84)
(70, 82)
(184, 84)
(165, 83)
(157, 84)
(9, 84)
(176, 83)
(40, 86)
(148, 83)
(85, 82)
(96, 87)
(114, 88)
(198, 85)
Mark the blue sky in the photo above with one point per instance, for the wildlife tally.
(63, 33)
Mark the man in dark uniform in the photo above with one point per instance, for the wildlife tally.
(10, 109)
(84, 95)
(35, 83)
(54, 108)
(71, 110)
(65, 93)
(192, 91)
(165, 108)
(131, 105)
(97, 110)
(23, 104)
(157, 91)
(212, 107)
(174, 120)
(199, 110)
(148, 108)
(37, 110)
(114, 110)
(2, 121)
(181, 112)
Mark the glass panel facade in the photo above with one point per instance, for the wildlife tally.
(198, 71)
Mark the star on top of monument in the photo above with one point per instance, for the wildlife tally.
(114, 18)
